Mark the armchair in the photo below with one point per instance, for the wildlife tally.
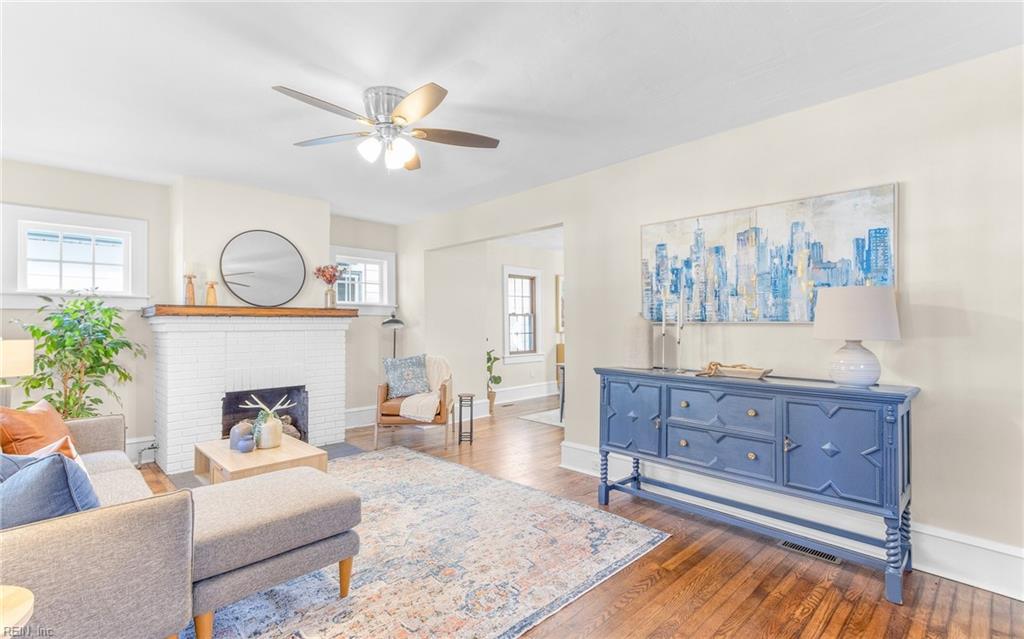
(388, 410)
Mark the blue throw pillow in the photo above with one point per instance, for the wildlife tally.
(37, 488)
(406, 376)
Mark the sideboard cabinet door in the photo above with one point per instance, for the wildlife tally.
(633, 416)
(834, 450)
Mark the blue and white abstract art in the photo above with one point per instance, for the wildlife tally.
(764, 264)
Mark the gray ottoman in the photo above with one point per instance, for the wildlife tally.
(258, 532)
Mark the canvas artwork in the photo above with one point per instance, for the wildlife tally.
(765, 263)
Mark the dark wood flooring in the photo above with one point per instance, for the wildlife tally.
(708, 579)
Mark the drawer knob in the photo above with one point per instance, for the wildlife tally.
(751, 456)
(751, 412)
(684, 404)
(684, 443)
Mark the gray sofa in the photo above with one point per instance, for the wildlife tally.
(142, 566)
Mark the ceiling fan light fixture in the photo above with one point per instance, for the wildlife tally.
(369, 149)
(399, 152)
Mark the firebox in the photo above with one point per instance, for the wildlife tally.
(232, 412)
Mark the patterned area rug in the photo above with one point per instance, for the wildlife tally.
(446, 552)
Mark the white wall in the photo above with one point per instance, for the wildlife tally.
(952, 139)
(465, 313)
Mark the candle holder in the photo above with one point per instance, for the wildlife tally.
(211, 293)
(190, 290)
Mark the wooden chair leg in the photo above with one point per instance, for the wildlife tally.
(344, 577)
(376, 429)
(204, 625)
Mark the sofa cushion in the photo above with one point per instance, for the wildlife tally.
(37, 488)
(23, 432)
(120, 486)
(392, 407)
(105, 461)
(406, 376)
(241, 522)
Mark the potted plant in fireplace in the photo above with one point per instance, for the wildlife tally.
(267, 427)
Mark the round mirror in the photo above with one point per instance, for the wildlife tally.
(262, 268)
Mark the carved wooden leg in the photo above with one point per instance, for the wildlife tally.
(602, 489)
(344, 576)
(905, 537)
(204, 625)
(636, 473)
(893, 561)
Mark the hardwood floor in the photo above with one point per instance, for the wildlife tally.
(708, 579)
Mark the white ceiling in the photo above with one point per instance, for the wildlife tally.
(154, 91)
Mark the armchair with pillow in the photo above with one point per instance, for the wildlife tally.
(418, 391)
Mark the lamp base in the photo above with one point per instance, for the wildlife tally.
(5, 395)
(854, 365)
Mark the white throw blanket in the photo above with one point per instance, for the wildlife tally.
(422, 407)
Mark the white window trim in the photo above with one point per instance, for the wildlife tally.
(14, 217)
(537, 275)
(391, 293)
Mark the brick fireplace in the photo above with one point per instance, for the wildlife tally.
(201, 359)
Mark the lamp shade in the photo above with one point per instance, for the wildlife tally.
(16, 357)
(856, 313)
(393, 323)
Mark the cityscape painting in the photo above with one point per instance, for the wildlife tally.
(764, 264)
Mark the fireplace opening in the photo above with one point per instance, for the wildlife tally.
(232, 411)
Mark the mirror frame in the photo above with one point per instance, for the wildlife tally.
(235, 293)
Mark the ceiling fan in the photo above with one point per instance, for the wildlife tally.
(392, 112)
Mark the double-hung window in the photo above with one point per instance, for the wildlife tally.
(367, 278)
(521, 291)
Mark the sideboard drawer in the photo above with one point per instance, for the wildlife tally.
(728, 410)
(725, 452)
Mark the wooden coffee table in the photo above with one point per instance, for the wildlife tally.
(216, 461)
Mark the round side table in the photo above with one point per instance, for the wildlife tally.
(466, 401)
(16, 605)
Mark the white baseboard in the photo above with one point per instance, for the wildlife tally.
(133, 445)
(360, 416)
(971, 560)
(526, 391)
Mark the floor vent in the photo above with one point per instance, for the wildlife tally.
(811, 552)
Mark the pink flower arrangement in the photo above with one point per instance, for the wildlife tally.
(327, 274)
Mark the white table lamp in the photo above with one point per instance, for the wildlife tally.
(16, 360)
(855, 313)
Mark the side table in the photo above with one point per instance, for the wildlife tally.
(466, 401)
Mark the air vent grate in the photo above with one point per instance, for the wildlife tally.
(811, 552)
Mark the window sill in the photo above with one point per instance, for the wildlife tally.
(31, 300)
(533, 358)
(381, 310)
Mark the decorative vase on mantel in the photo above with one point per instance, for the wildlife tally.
(330, 297)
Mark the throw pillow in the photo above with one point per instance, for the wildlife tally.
(37, 488)
(25, 431)
(66, 447)
(406, 376)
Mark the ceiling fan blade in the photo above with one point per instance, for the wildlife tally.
(458, 138)
(418, 104)
(413, 164)
(331, 139)
(322, 104)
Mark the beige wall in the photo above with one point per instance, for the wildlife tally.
(368, 343)
(464, 311)
(207, 214)
(43, 186)
(951, 138)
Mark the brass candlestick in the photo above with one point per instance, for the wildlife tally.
(211, 293)
(190, 290)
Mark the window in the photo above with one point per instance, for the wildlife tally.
(49, 251)
(63, 258)
(521, 289)
(368, 279)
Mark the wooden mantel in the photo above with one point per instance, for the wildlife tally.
(176, 310)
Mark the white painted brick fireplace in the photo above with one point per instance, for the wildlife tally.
(198, 359)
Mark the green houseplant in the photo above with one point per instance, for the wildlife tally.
(78, 343)
(492, 379)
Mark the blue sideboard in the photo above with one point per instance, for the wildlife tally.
(811, 439)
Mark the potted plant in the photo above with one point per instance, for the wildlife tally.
(492, 379)
(78, 344)
(267, 427)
